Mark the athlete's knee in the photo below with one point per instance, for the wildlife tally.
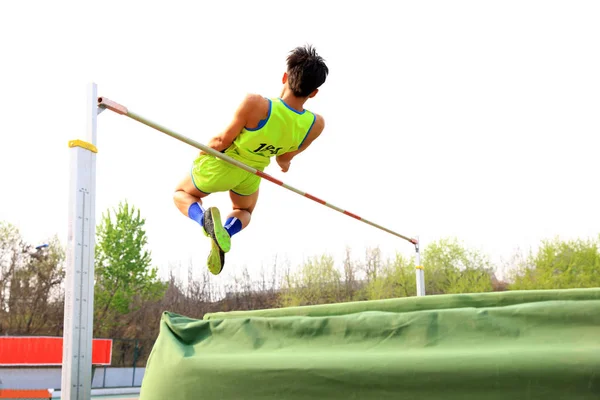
(246, 203)
(246, 209)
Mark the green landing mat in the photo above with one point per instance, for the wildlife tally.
(506, 345)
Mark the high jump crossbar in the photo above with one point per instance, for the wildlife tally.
(103, 102)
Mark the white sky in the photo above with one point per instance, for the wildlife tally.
(473, 119)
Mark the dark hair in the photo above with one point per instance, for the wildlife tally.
(306, 70)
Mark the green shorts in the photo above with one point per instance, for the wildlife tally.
(210, 174)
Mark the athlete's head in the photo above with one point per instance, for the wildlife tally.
(306, 71)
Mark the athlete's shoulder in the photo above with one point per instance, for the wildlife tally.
(253, 106)
(319, 124)
(254, 100)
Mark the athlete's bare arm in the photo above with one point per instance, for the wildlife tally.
(285, 159)
(251, 110)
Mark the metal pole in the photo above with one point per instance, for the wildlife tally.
(103, 102)
(419, 271)
(76, 379)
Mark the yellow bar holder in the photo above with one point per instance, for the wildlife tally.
(85, 145)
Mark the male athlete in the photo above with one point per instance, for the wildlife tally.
(261, 128)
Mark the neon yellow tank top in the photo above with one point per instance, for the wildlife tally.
(283, 130)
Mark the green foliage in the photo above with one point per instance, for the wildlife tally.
(316, 282)
(394, 279)
(560, 265)
(122, 264)
(450, 267)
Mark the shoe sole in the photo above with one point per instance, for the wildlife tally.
(215, 230)
(216, 259)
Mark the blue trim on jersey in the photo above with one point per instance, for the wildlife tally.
(262, 122)
(309, 129)
(296, 111)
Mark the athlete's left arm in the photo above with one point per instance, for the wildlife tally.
(245, 112)
(285, 159)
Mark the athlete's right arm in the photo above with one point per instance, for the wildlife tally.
(285, 159)
(250, 111)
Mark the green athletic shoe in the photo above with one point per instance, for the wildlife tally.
(215, 229)
(216, 259)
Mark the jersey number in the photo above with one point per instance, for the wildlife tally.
(263, 147)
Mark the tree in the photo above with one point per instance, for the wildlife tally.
(372, 263)
(316, 282)
(450, 267)
(560, 264)
(350, 281)
(12, 257)
(123, 266)
(31, 301)
(36, 301)
(395, 279)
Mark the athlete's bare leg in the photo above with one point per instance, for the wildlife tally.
(188, 201)
(243, 207)
(186, 194)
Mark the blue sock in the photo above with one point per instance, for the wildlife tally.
(196, 212)
(233, 225)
